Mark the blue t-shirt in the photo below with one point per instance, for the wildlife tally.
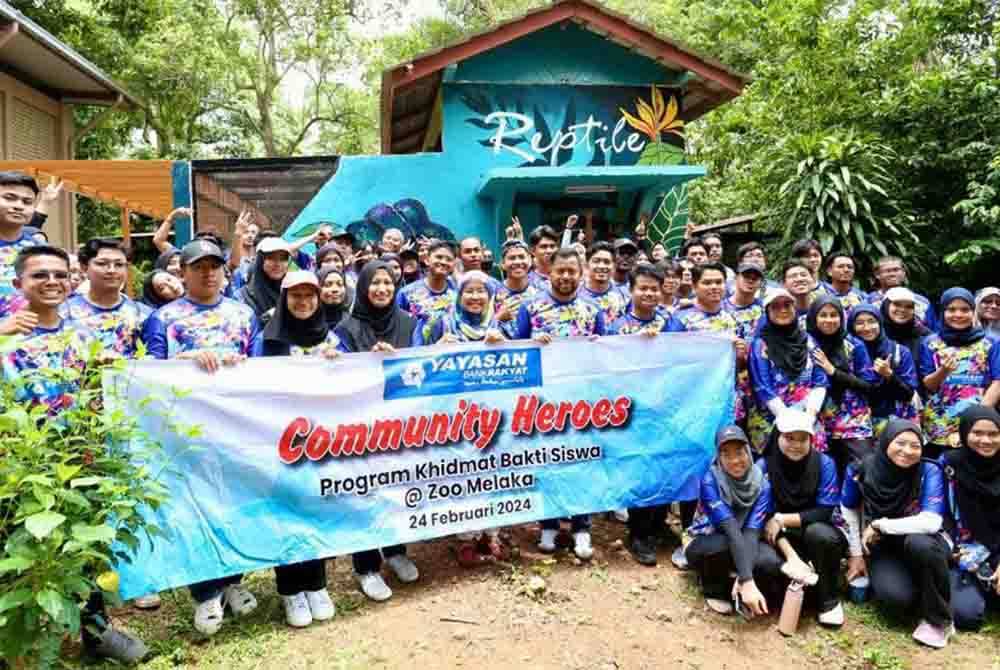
(227, 326)
(65, 346)
(828, 493)
(712, 510)
(8, 254)
(629, 323)
(611, 301)
(930, 499)
(512, 300)
(545, 314)
(922, 308)
(118, 328)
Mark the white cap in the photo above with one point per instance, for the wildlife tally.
(269, 245)
(900, 294)
(988, 291)
(298, 278)
(795, 421)
(775, 293)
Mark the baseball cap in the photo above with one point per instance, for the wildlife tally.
(750, 267)
(794, 421)
(195, 250)
(900, 294)
(730, 434)
(298, 278)
(774, 294)
(269, 245)
(623, 242)
(340, 231)
(409, 255)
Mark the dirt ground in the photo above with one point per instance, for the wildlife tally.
(608, 614)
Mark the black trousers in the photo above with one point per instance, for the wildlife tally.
(93, 615)
(709, 556)
(644, 522)
(299, 577)
(844, 452)
(822, 545)
(910, 572)
(969, 600)
(371, 560)
(204, 591)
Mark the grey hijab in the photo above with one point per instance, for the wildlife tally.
(739, 494)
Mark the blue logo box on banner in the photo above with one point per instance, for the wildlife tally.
(461, 372)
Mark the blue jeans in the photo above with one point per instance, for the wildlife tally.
(578, 522)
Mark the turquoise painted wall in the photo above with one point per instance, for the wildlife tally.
(553, 99)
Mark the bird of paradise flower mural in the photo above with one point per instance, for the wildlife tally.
(654, 120)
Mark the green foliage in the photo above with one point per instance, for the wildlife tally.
(982, 217)
(71, 491)
(839, 194)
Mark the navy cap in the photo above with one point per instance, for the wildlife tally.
(730, 434)
(750, 267)
(196, 250)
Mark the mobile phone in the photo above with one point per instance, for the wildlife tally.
(741, 607)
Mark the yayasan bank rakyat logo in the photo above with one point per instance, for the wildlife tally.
(414, 375)
(462, 372)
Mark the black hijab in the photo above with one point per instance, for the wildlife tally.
(888, 490)
(965, 336)
(832, 345)
(907, 334)
(262, 293)
(787, 346)
(326, 250)
(794, 484)
(149, 295)
(977, 480)
(285, 330)
(334, 314)
(368, 324)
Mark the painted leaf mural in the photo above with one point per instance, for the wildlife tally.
(671, 217)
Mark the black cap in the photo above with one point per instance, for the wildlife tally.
(750, 267)
(409, 254)
(340, 231)
(198, 249)
(730, 434)
(623, 242)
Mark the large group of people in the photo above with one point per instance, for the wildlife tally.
(864, 445)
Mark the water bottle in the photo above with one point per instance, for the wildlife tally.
(791, 608)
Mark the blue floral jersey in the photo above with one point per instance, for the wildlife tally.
(712, 510)
(849, 300)
(65, 346)
(228, 326)
(512, 300)
(769, 381)
(424, 304)
(970, 553)
(931, 496)
(828, 493)
(922, 308)
(331, 342)
(538, 280)
(884, 408)
(696, 320)
(978, 367)
(545, 314)
(748, 318)
(851, 418)
(118, 328)
(629, 323)
(612, 302)
(8, 254)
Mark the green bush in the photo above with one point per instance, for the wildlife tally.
(72, 489)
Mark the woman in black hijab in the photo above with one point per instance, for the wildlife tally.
(973, 473)
(901, 324)
(298, 329)
(264, 288)
(804, 495)
(335, 296)
(377, 324)
(893, 505)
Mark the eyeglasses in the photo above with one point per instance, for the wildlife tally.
(44, 275)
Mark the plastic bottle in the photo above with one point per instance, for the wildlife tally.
(791, 609)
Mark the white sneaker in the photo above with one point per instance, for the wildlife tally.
(834, 617)
(581, 545)
(373, 586)
(620, 515)
(719, 606)
(150, 602)
(679, 559)
(239, 600)
(547, 544)
(404, 569)
(208, 616)
(321, 605)
(297, 612)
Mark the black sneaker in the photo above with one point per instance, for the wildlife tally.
(120, 646)
(643, 551)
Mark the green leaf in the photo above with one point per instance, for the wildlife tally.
(17, 563)
(847, 174)
(820, 215)
(85, 481)
(826, 242)
(14, 599)
(66, 472)
(89, 534)
(816, 184)
(51, 602)
(42, 524)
